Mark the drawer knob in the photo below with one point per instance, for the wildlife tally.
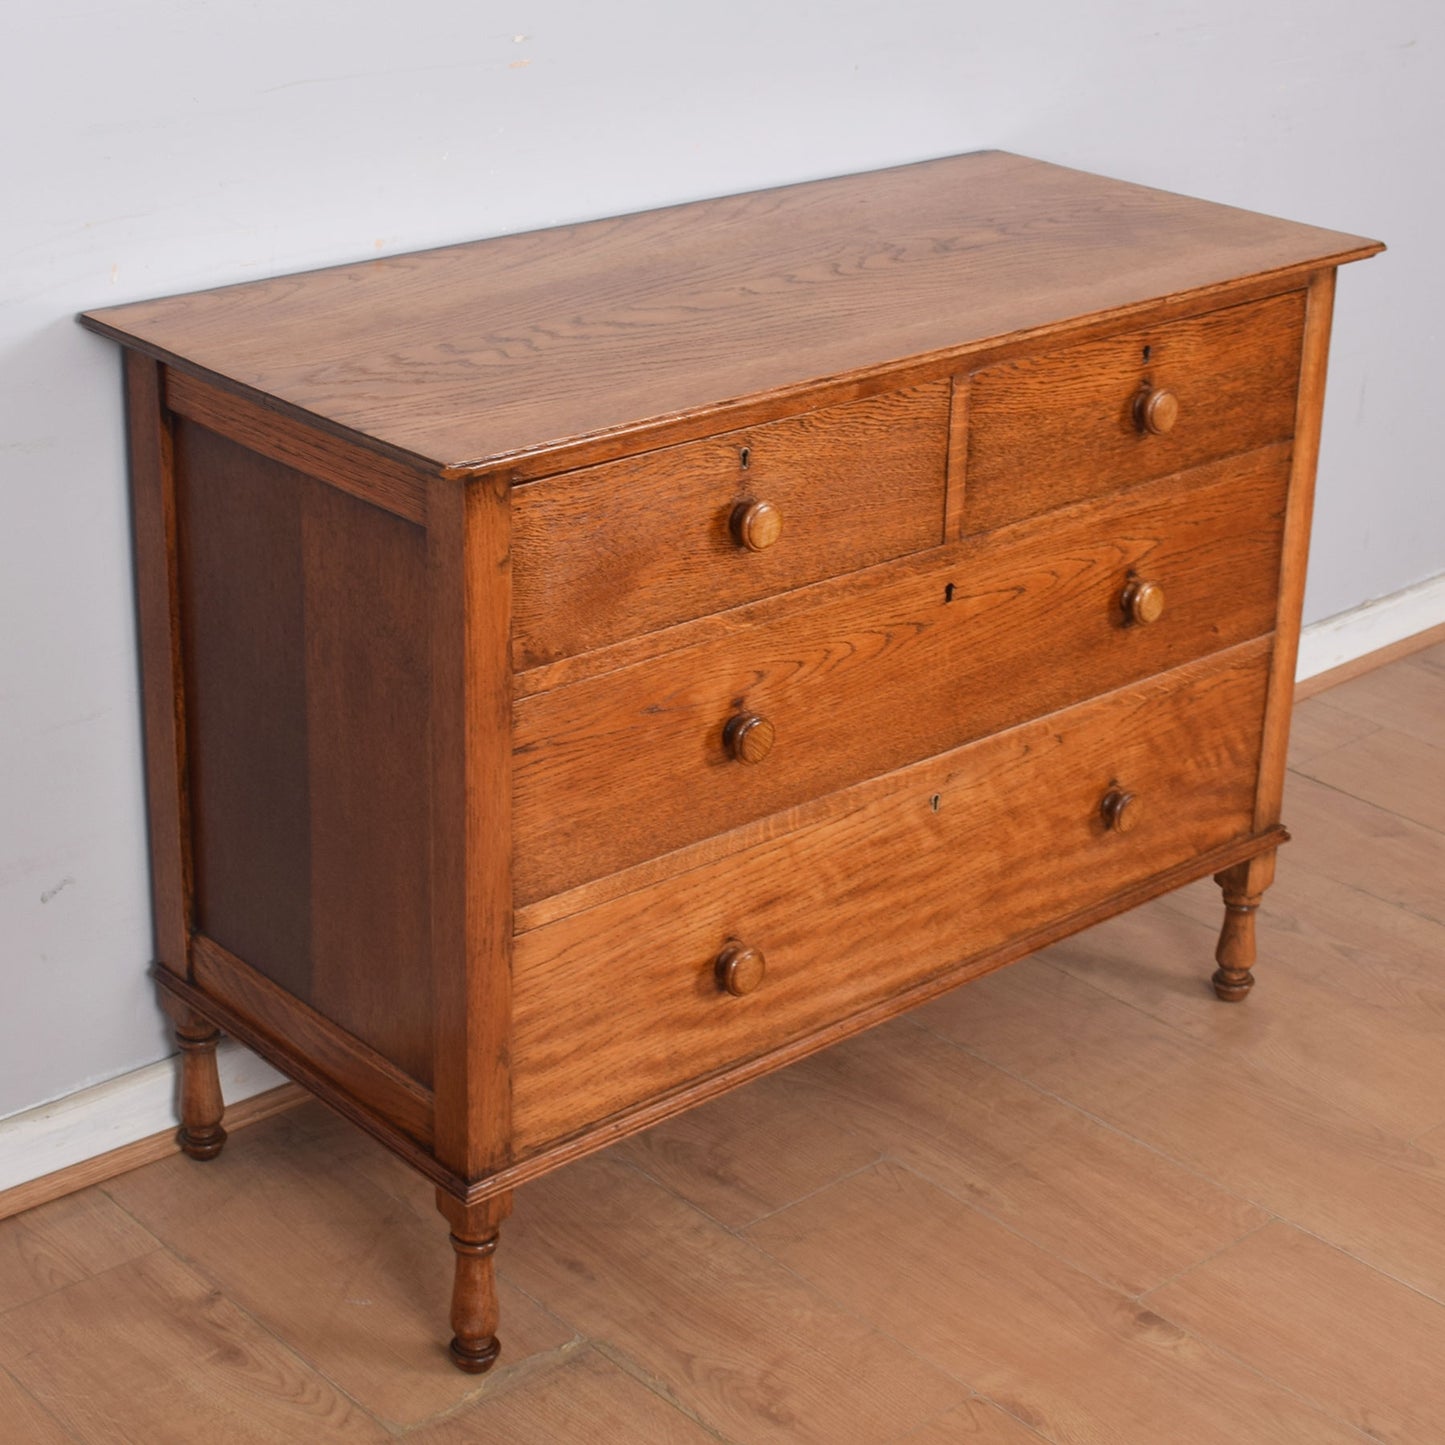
(1143, 602)
(756, 525)
(748, 737)
(1121, 811)
(739, 969)
(1156, 411)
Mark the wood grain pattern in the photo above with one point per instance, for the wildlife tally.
(1408, 700)
(630, 546)
(397, 486)
(245, 679)
(1390, 769)
(1154, 961)
(1042, 1168)
(346, 1060)
(975, 1422)
(844, 476)
(956, 496)
(138, 1377)
(289, 1056)
(868, 674)
(1310, 412)
(470, 355)
(820, 903)
(328, 1242)
(158, 632)
(1060, 426)
(1299, 1153)
(24, 1416)
(1078, 1361)
(756, 1149)
(307, 669)
(1364, 1347)
(745, 1346)
(64, 1242)
(334, 1247)
(670, 1105)
(367, 675)
(469, 554)
(581, 1397)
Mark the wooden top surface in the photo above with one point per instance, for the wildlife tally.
(473, 354)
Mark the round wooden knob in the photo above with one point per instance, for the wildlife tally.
(748, 737)
(1143, 601)
(756, 525)
(1156, 411)
(1121, 811)
(739, 969)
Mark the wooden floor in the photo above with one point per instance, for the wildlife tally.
(1079, 1201)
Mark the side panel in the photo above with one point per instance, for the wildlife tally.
(307, 673)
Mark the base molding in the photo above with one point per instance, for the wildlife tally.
(1380, 631)
(99, 1132)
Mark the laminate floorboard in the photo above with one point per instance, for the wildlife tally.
(1078, 1201)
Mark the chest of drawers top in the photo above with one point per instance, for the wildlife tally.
(553, 348)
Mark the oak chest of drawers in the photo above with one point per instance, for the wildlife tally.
(588, 669)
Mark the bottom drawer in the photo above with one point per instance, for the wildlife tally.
(883, 886)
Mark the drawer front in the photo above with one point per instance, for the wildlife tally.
(630, 546)
(1047, 430)
(905, 876)
(904, 662)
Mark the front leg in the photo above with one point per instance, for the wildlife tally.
(1243, 887)
(474, 1345)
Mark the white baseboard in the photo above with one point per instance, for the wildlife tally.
(120, 1111)
(1340, 639)
(136, 1105)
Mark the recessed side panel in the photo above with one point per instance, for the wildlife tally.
(306, 664)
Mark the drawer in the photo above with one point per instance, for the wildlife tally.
(1051, 429)
(621, 1003)
(862, 676)
(611, 551)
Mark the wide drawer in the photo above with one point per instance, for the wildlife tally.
(1049, 429)
(623, 548)
(900, 663)
(897, 880)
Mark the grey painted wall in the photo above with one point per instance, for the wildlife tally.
(154, 146)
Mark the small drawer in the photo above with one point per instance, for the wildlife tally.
(623, 548)
(623, 1002)
(800, 696)
(1050, 429)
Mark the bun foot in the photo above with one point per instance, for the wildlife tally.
(475, 1359)
(201, 1143)
(1232, 986)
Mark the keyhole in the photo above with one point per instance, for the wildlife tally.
(936, 802)
(948, 593)
(745, 455)
(1148, 350)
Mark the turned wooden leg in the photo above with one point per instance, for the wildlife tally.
(1243, 887)
(474, 1345)
(200, 1134)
